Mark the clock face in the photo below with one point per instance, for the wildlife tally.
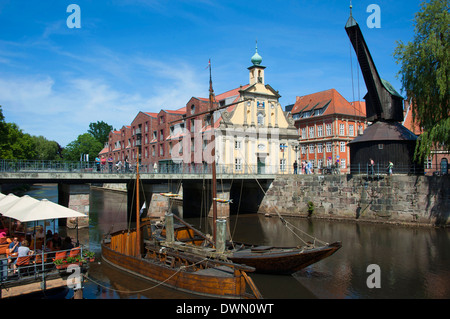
(261, 147)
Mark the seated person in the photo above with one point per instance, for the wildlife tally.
(13, 248)
(22, 251)
(56, 242)
(39, 237)
(67, 244)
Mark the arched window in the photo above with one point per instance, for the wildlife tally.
(260, 118)
(444, 166)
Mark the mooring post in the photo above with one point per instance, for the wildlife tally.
(78, 293)
(170, 236)
(221, 225)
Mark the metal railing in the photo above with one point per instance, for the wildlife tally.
(26, 166)
(40, 266)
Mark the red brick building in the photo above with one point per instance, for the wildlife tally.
(326, 122)
(438, 161)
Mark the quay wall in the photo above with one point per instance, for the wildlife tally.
(397, 199)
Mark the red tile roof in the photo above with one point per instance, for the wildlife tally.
(408, 120)
(335, 102)
(231, 93)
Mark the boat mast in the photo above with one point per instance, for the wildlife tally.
(213, 152)
(138, 226)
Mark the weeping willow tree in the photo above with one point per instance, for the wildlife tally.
(424, 73)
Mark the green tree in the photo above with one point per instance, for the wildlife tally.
(100, 131)
(84, 144)
(424, 73)
(46, 150)
(18, 145)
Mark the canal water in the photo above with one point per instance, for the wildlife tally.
(410, 263)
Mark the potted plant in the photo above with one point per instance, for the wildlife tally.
(77, 260)
(61, 263)
(89, 255)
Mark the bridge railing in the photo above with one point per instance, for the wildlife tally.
(27, 166)
(16, 166)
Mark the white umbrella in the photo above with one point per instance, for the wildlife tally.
(17, 207)
(8, 201)
(2, 196)
(40, 210)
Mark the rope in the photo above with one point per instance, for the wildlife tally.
(238, 209)
(285, 222)
(146, 289)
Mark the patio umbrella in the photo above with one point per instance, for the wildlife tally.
(42, 210)
(2, 195)
(15, 207)
(7, 201)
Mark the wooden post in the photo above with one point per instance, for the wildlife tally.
(170, 236)
(138, 216)
(221, 225)
(78, 293)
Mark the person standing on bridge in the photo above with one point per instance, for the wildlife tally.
(97, 163)
(110, 163)
(127, 164)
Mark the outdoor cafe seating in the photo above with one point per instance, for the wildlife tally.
(39, 262)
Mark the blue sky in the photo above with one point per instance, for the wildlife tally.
(147, 55)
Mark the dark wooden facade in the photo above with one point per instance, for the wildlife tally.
(384, 142)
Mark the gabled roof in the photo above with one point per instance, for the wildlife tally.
(330, 99)
(267, 86)
(104, 151)
(179, 111)
(231, 93)
(408, 121)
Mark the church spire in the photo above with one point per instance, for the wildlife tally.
(256, 58)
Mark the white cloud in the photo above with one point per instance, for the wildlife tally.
(62, 108)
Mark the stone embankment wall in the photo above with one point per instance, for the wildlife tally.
(399, 199)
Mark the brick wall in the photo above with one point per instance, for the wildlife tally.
(419, 200)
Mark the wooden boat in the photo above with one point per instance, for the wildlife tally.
(179, 270)
(265, 259)
(281, 260)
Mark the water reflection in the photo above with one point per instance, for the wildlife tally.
(414, 262)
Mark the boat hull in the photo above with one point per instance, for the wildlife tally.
(230, 285)
(283, 260)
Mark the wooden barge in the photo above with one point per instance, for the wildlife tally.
(179, 270)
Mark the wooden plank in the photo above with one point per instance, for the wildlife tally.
(32, 287)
